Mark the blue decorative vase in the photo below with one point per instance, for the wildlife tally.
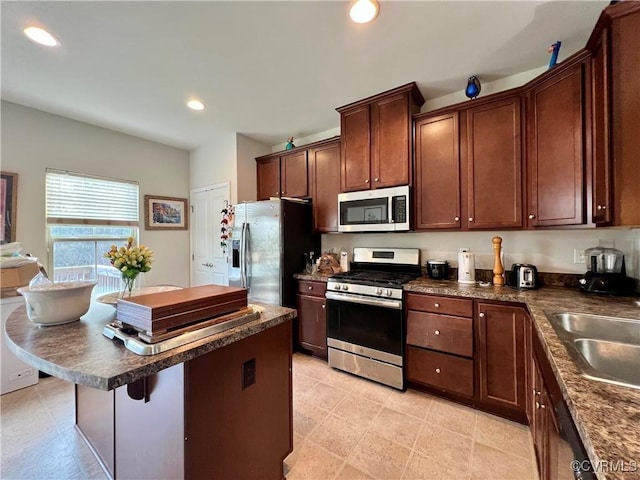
(473, 87)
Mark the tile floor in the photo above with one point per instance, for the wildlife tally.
(344, 428)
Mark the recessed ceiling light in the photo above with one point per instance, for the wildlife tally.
(41, 36)
(363, 11)
(195, 104)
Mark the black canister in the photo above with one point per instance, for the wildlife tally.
(438, 269)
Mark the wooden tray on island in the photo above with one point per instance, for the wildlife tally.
(158, 313)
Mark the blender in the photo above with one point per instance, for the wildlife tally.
(605, 272)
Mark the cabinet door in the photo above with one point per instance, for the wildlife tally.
(556, 157)
(437, 172)
(494, 165)
(501, 355)
(601, 154)
(312, 324)
(391, 142)
(293, 174)
(355, 149)
(268, 172)
(324, 182)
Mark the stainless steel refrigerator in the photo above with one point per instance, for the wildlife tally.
(269, 240)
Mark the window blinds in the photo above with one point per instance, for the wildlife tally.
(74, 198)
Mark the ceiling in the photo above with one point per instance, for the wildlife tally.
(268, 70)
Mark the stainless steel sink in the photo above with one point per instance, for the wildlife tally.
(620, 362)
(604, 348)
(602, 328)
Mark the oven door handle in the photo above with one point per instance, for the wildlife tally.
(376, 302)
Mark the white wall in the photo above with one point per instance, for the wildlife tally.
(215, 162)
(33, 140)
(550, 251)
(247, 151)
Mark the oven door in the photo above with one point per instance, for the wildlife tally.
(373, 323)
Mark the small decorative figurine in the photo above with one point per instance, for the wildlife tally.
(473, 87)
(290, 144)
(553, 50)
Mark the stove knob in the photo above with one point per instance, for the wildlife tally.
(388, 293)
(337, 286)
(378, 291)
(345, 287)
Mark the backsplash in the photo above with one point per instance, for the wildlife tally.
(550, 250)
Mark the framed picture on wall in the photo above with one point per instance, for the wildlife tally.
(8, 205)
(165, 213)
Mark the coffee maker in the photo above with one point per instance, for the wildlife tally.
(605, 272)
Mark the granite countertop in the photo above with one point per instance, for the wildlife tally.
(79, 353)
(607, 416)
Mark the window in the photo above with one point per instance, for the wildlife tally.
(85, 216)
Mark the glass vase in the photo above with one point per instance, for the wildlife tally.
(128, 281)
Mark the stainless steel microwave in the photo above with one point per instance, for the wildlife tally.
(379, 210)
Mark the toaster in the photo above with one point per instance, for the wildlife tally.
(524, 275)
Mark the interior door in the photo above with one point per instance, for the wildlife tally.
(208, 258)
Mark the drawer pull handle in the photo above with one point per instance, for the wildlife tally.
(481, 315)
(437, 370)
(437, 332)
(437, 305)
(310, 288)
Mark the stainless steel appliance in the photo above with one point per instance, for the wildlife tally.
(378, 210)
(524, 275)
(365, 314)
(605, 272)
(269, 240)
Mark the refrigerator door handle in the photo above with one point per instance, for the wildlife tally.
(247, 256)
(243, 258)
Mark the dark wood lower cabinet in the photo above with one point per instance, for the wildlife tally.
(312, 317)
(501, 356)
(440, 370)
(225, 414)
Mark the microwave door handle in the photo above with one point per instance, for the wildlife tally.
(391, 210)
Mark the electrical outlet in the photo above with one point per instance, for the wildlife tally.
(578, 256)
(248, 373)
(21, 374)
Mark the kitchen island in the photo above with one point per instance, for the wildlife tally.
(219, 407)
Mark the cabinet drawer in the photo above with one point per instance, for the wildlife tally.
(440, 370)
(461, 307)
(440, 332)
(316, 289)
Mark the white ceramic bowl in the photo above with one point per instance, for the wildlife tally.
(57, 303)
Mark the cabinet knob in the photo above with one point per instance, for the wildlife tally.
(282, 193)
(324, 306)
(310, 288)
(540, 405)
(437, 305)
(277, 193)
(376, 179)
(437, 370)
(366, 181)
(481, 315)
(532, 216)
(437, 332)
(602, 207)
(457, 219)
(471, 219)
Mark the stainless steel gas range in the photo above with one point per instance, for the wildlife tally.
(365, 314)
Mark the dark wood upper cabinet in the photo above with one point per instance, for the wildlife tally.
(376, 137)
(268, 176)
(324, 184)
(501, 356)
(494, 165)
(437, 162)
(601, 210)
(293, 174)
(556, 157)
(625, 111)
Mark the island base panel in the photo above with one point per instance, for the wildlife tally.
(236, 432)
(95, 417)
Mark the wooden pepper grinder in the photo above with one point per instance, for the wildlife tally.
(498, 269)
